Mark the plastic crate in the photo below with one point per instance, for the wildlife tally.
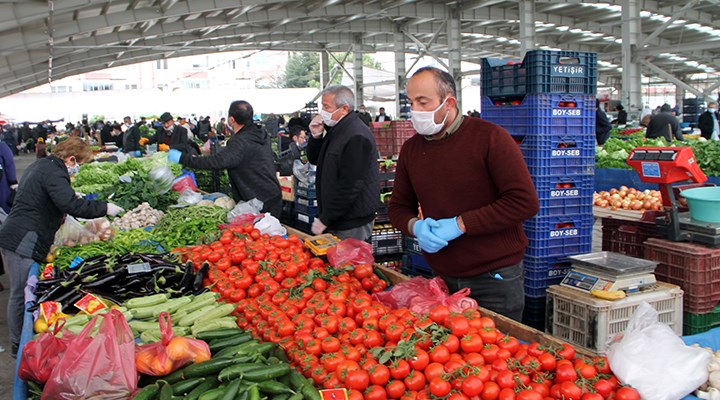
(543, 272)
(542, 114)
(304, 222)
(558, 235)
(415, 265)
(627, 237)
(311, 211)
(534, 313)
(541, 71)
(390, 137)
(698, 323)
(382, 214)
(393, 262)
(411, 245)
(573, 148)
(386, 240)
(693, 267)
(562, 195)
(305, 191)
(305, 202)
(586, 321)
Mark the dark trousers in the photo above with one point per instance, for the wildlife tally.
(501, 290)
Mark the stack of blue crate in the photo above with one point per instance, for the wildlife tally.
(547, 103)
(306, 206)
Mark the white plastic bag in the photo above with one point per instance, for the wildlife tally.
(162, 179)
(651, 358)
(253, 206)
(270, 225)
(189, 197)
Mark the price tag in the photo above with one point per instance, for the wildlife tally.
(49, 308)
(138, 268)
(48, 272)
(90, 304)
(334, 394)
(76, 261)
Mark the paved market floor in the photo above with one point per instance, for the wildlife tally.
(7, 363)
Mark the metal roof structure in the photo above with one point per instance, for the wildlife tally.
(51, 39)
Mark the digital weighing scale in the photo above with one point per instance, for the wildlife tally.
(610, 271)
(665, 166)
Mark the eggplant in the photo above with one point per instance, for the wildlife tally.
(199, 276)
(106, 280)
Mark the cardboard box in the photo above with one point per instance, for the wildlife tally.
(287, 187)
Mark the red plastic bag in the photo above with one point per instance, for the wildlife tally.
(40, 356)
(420, 295)
(171, 352)
(99, 367)
(350, 251)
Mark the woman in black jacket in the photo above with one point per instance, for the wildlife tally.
(43, 197)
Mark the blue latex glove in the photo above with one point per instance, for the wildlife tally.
(174, 155)
(447, 229)
(137, 153)
(120, 150)
(428, 241)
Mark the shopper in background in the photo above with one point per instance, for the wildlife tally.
(470, 180)
(708, 122)
(131, 138)
(348, 178)
(382, 117)
(8, 178)
(170, 135)
(43, 198)
(364, 116)
(602, 125)
(664, 124)
(646, 116)
(40, 149)
(622, 115)
(271, 125)
(247, 157)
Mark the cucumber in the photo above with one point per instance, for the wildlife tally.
(154, 335)
(273, 387)
(207, 368)
(219, 344)
(246, 348)
(239, 370)
(269, 372)
(190, 318)
(210, 383)
(296, 396)
(283, 397)
(219, 334)
(232, 390)
(253, 393)
(297, 380)
(149, 392)
(212, 394)
(147, 301)
(280, 354)
(166, 391)
(184, 387)
(310, 393)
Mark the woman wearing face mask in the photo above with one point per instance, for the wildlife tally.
(470, 179)
(43, 198)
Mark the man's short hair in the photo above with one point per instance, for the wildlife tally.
(343, 95)
(242, 112)
(712, 103)
(445, 81)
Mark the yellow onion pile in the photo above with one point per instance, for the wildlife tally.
(629, 199)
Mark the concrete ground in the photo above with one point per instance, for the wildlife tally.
(7, 363)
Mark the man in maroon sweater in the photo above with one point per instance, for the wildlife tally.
(469, 179)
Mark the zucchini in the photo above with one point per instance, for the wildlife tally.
(154, 335)
(184, 387)
(219, 334)
(200, 301)
(166, 391)
(190, 318)
(210, 383)
(142, 326)
(269, 372)
(147, 301)
(212, 394)
(222, 323)
(155, 310)
(210, 367)
(239, 370)
(216, 313)
(273, 387)
(79, 319)
(232, 390)
(171, 305)
(149, 392)
(219, 344)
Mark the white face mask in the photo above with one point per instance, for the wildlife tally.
(327, 118)
(424, 121)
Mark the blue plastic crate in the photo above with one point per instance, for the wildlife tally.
(544, 114)
(560, 166)
(573, 148)
(415, 265)
(563, 195)
(307, 202)
(559, 235)
(534, 312)
(541, 71)
(305, 191)
(304, 222)
(542, 272)
(310, 211)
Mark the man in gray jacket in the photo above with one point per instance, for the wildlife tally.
(248, 158)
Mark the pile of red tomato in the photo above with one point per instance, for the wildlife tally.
(335, 333)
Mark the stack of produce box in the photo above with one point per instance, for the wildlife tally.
(547, 103)
(306, 206)
(387, 242)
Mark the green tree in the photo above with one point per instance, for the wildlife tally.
(303, 69)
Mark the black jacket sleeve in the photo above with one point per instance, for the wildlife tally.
(63, 196)
(231, 157)
(313, 149)
(705, 123)
(675, 125)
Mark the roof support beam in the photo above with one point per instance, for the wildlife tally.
(631, 74)
(527, 25)
(660, 29)
(400, 72)
(454, 47)
(671, 78)
(359, 78)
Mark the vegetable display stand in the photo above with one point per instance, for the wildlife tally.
(20, 387)
(627, 237)
(386, 240)
(589, 322)
(693, 267)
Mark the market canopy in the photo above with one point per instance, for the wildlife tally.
(48, 40)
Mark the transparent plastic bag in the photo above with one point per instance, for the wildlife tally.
(350, 251)
(101, 228)
(305, 172)
(96, 367)
(420, 295)
(162, 179)
(40, 356)
(189, 197)
(270, 225)
(171, 352)
(253, 207)
(71, 233)
(640, 357)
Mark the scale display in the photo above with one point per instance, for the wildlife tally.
(610, 271)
